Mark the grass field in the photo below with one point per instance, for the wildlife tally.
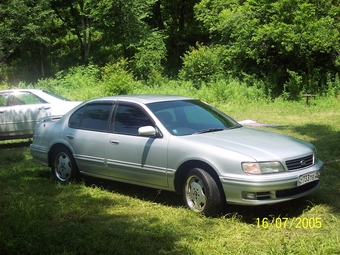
(40, 216)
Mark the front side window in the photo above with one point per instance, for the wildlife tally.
(129, 118)
(24, 98)
(93, 117)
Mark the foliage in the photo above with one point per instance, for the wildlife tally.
(333, 86)
(274, 38)
(203, 64)
(289, 47)
(26, 34)
(86, 82)
(75, 18)
(117, 79)
(4, 86)
(149, 56)
(77, 83)
(293, 85)
(121, 21)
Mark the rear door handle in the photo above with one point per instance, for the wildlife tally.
(114, 142)
(70, 136)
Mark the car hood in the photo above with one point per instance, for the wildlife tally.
(258, 144)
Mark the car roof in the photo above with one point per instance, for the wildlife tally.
(13, 90)
(47, 96)
(143, 99)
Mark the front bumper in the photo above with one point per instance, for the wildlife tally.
(269, 188)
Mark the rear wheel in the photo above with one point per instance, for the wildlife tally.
(63, 166)
(201, 193)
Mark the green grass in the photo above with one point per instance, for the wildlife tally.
(40, 216)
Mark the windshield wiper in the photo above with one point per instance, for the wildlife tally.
(237, 126)
(208, 130)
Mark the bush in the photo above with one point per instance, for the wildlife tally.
(332, 86)
(3, 86)
(293, 86)
(203, 64)
(117, 79)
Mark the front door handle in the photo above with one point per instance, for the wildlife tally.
(114, 142)
(44, 108)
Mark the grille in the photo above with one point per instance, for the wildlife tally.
(299, 163)
(262, 195)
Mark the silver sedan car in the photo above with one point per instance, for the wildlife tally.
(21, 108)
(178, 144)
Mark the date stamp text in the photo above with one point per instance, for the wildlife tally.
(289, 223)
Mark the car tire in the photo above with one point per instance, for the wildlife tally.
(63, 165)
(201, 193)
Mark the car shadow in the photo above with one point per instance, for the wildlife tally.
(163, 197)
(12, 144)
(246, 214)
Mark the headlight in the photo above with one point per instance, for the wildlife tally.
(262, 168)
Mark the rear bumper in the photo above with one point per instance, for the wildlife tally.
(39, 154)
(268, 189)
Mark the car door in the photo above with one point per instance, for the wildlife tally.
(22, 112)
(134, 158)
(87, 134)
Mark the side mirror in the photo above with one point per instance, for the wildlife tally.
(147, 131)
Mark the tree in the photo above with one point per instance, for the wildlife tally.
(274, 39)
(25, 35)
(77, 20)
(177, 21)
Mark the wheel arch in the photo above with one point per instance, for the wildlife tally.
(53, 148)
(184, 169)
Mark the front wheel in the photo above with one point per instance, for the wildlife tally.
(201, 193)
(63, 166)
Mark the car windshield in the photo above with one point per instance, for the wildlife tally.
(186, 117)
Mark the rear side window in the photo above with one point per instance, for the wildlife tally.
(3, 99)
(93, 117)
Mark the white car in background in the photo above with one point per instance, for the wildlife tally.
(21, 108)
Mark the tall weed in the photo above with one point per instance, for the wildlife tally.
(77, 83)
(232, 92)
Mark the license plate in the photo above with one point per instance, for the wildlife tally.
(306, 178)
